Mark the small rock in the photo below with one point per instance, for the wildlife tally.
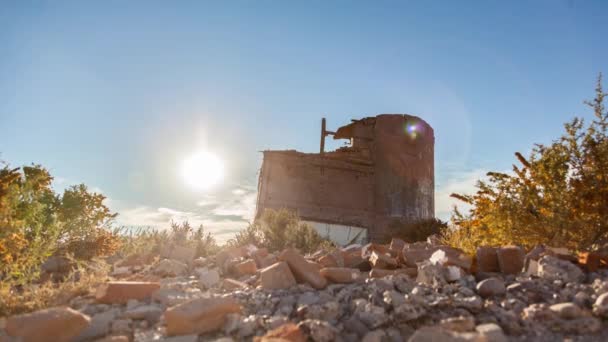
(319, 331)
(460, 324)
(277, 276)
(302, 270)
(199, 315)
(341, 275)
(62, 324)
(119, 292)
(552, 268)
(600, 307)
(566, 310)
(510, 259)
(487, 259)
(121, 326)
(209, 278)
(383, 261)
(99, 326)
(491, 287)
(232, 285)
(150, 313)
(170, 268)
(287, 332)
(374, 336)
(492, 331)
(430, 274)
(246, 267)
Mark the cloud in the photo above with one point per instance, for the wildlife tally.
(222, 215)
(458, 182)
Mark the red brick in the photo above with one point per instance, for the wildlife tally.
(510, 259)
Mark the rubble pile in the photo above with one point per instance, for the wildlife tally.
(420, 291)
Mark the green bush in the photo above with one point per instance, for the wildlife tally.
(279, 229)
(415, 231)
(147, 242)
(36, 223)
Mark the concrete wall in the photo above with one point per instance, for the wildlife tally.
(316, 187)
(387, 174)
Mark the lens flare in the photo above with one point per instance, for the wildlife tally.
(202, 170)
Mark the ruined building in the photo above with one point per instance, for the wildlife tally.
(352, 194)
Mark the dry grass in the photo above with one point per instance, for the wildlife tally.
(22, 299)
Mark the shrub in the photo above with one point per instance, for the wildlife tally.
(148, 241)
(36, 223)
(557, 196)
(415, 231)
(279, 229)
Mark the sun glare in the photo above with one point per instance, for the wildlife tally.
(202, 170)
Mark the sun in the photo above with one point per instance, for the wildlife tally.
(202, 170)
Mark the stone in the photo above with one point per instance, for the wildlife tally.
(383, 261)
(341, 275)
(183, 254)
(487, 259)
(491, 287)
(413, 256)
(229, 253)
(268, 260)
(566, 310)
(590, 261)
(247, 267)
(352, 258)
(286, 332)
(62, 324)
(460, 324)
(492, 332)
(232, 285)
(277, 276)
(355, 325)
(432, 334)
(327, 261)
(374, 336)
(99, 326)
(170, 268)
(120, 326)
(199, 316)
(552, 268)
(119, 292)
(600, 307)
(209, 278)
(409, 311)
(454, 273)
(430, 274)
(510, 259)
(319, 331)
(396, 245)
(199, 262)
(302, 270)
(150, 313)
(451, 256)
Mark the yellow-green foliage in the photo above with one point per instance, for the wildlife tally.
(35, 222)
(148, 241)
(279, 229)
(31, 297)
(557, 196)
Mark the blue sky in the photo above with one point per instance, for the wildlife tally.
(117, 94)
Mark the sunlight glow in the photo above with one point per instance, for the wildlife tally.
(202, 170)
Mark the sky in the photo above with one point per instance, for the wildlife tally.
(117, 94)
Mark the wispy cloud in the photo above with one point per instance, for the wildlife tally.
(221, 215)
(457, 182)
